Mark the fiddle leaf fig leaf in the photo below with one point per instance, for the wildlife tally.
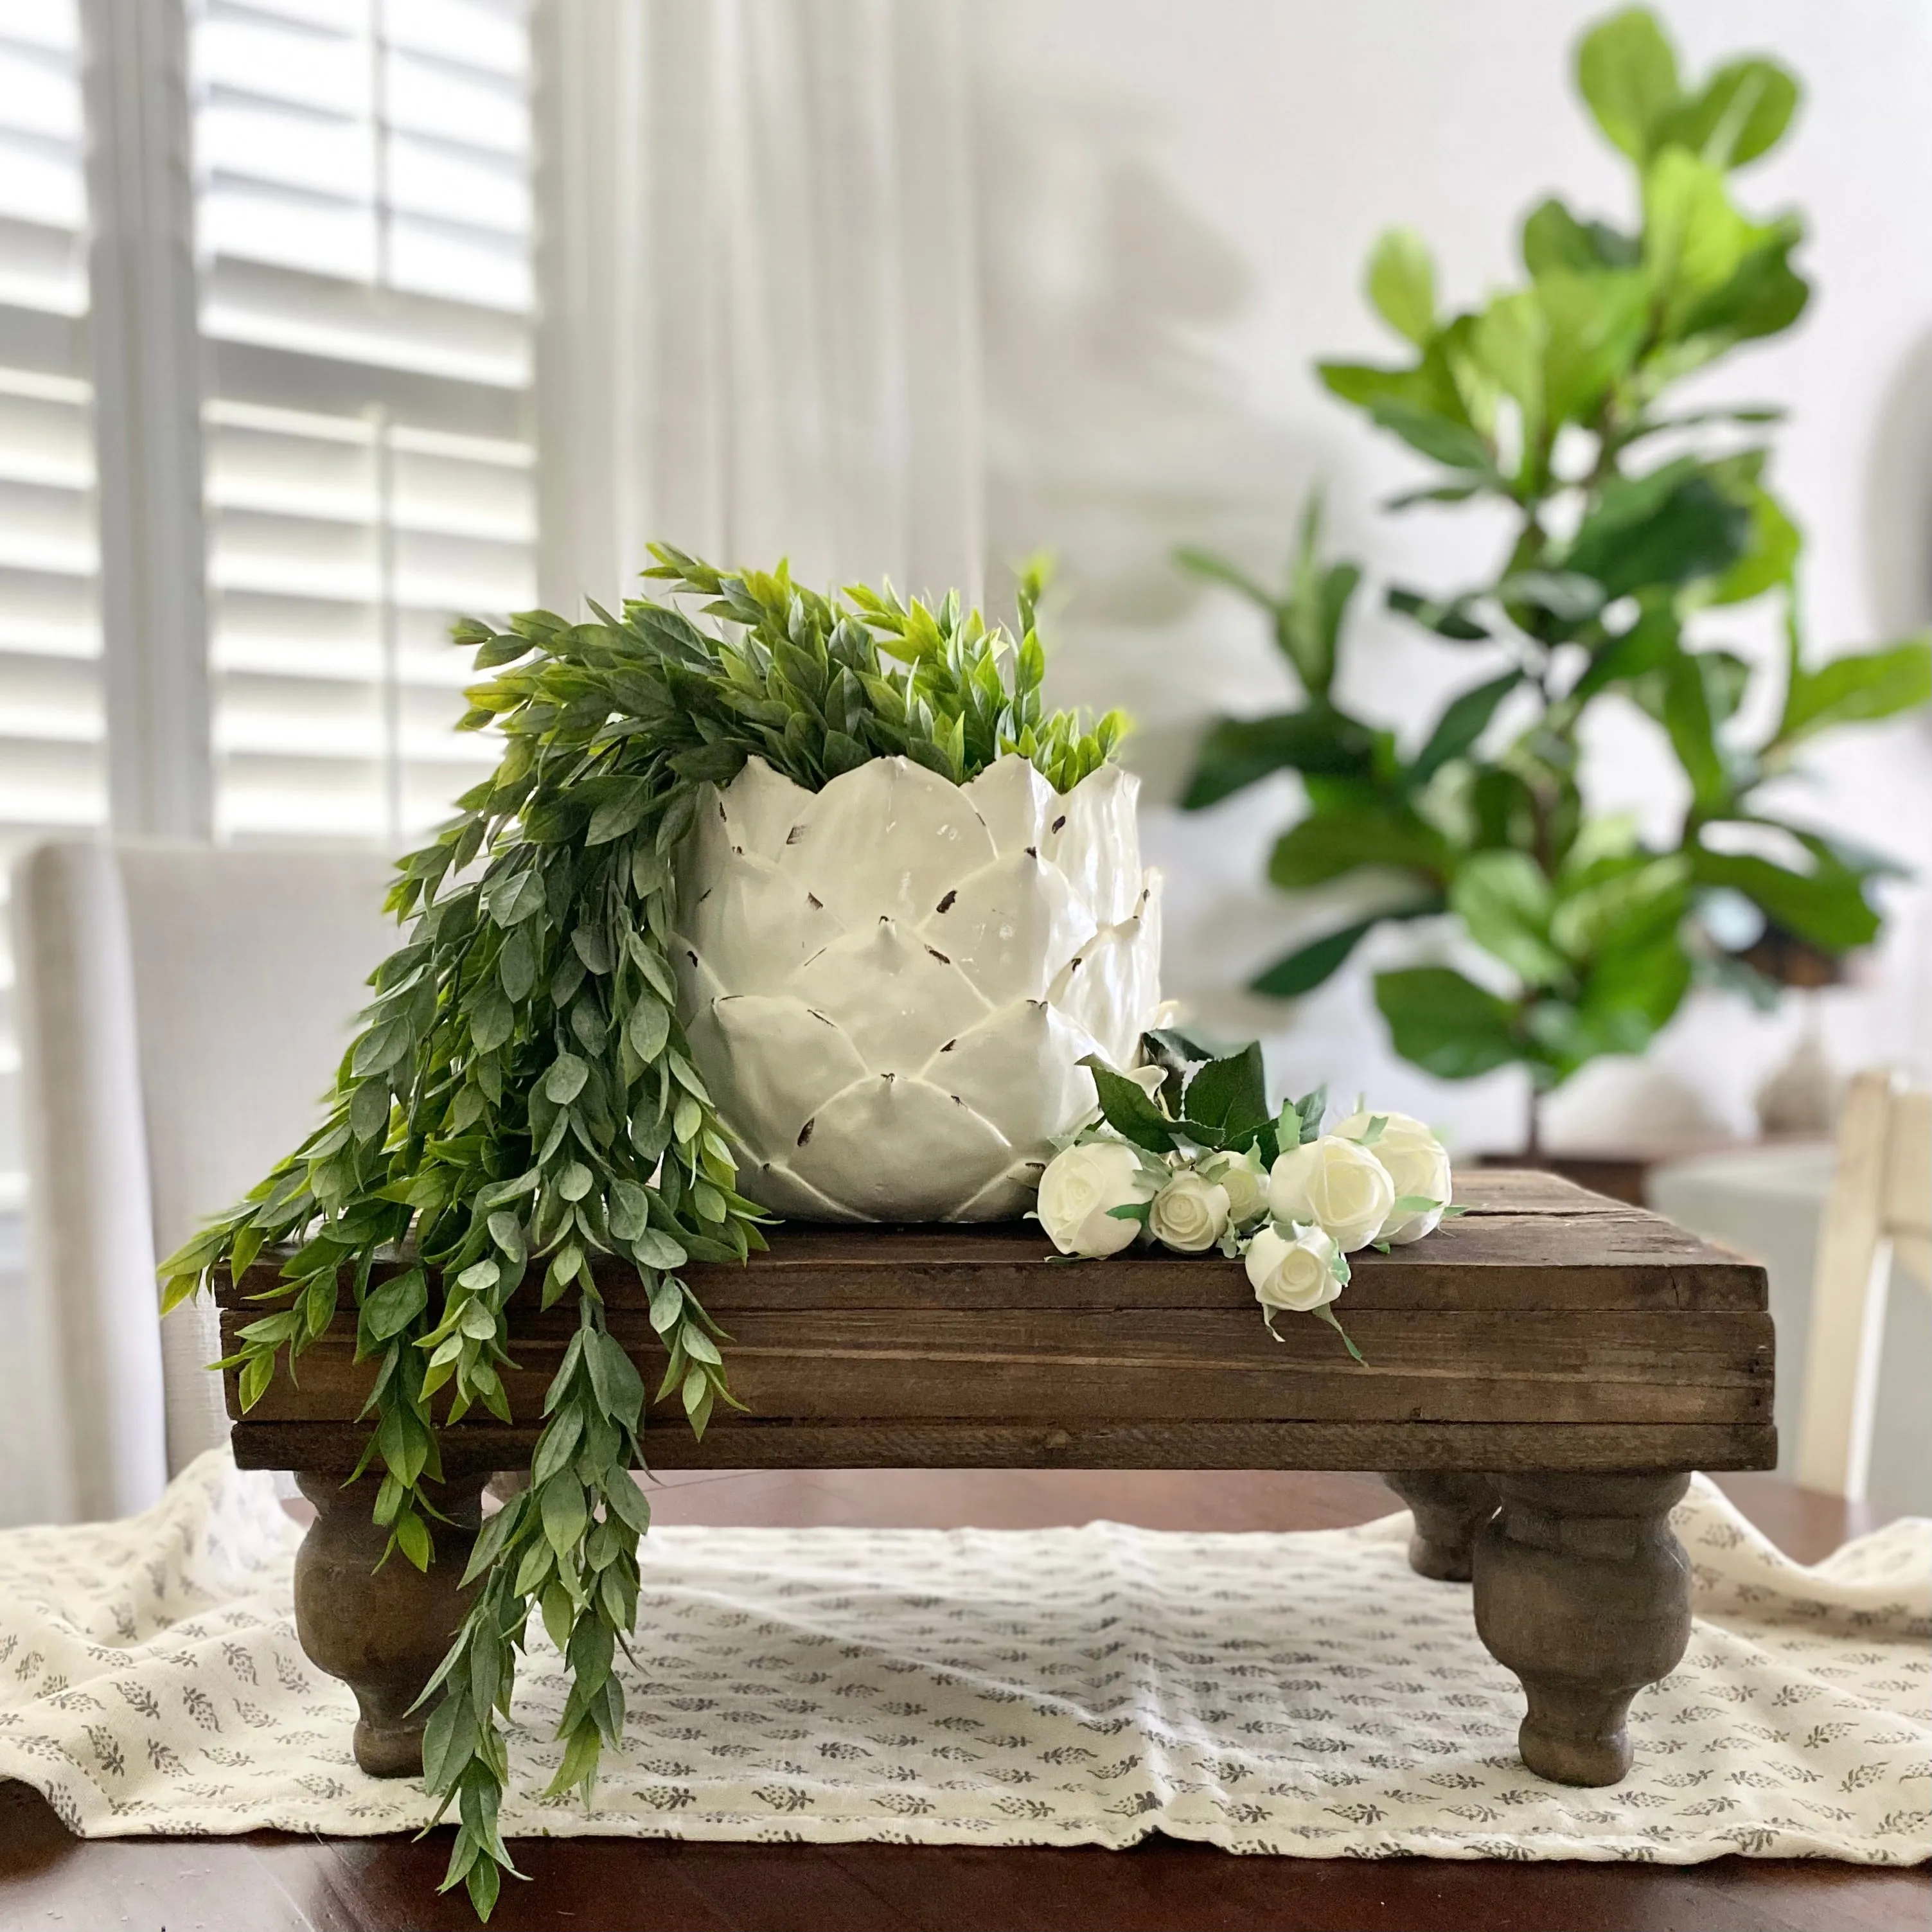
(1402, 284)
(1626, 71)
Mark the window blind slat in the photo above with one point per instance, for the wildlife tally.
(364, 227)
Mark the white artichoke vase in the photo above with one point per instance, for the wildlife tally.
(888, 984)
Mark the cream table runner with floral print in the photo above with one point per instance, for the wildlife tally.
(1304, 1694)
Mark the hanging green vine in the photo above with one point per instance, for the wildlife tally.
(520, 1101)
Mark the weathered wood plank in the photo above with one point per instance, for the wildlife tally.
(1500, 1447)
(1532, 1242)
(1548, 1329)
(944, 1363)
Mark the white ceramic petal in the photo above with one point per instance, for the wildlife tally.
(895, 998)
(1093, 838)
(1010, 927)
(1007, 1197)
(1112, 989)
(1019, 1069)
(1015, 802)
(760, 806)
(756, 925)
(896, 1149)
(772, 1184)
(777, 1061)
(889, 838)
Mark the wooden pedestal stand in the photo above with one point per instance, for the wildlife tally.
(1541, 1374)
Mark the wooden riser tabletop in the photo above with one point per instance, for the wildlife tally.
(1548, 1329)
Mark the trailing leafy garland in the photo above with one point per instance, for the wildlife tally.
(520, 1099)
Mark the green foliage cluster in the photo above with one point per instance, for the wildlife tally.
(1207, 1101)
(519, 1106)
(1636, 529)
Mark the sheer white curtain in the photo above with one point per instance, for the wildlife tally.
(759, 334)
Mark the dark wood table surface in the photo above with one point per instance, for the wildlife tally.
(268, 1883)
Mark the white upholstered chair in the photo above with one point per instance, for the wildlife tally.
(1880, 1208)
(180, 1009)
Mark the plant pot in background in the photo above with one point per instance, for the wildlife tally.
(888, 984)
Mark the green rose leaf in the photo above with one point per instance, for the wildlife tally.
(1229, 1098)
(1128, 1109)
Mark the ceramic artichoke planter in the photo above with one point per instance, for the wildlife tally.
(888, 984)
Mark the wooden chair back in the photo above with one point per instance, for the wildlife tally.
(1880, 1211)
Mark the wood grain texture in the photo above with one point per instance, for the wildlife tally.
(1544, 1307)
(1497, 1447)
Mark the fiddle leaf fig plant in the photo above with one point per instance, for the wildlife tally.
(1637, 528)
(520, 1102)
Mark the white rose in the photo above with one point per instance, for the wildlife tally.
(1246, 1185)
(1078, 1189)
(1298, 1274)
(1418, 1166)
(1190, 1212)
(1336, 1184)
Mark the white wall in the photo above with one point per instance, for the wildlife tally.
(1177, 199)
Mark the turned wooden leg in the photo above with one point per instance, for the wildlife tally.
(1448, 1509)
(381, 1632)
(1582, 1590)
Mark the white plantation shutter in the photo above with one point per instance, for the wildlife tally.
(52, 771)
(363, 225)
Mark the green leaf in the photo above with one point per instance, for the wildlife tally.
(1445, 1025)
(564, 1515)
(1828, 907)
(1462, 724)
(412, 1536)
(621, 810)
(388, 1309)
(492, 1018)
(1627, 72)
(1762, 295)
(1214, 569)
(653, 1248)
(1326, 845)
(514, 897)
(1595, 326)
(1623, 901)
(369, 1110)
(1402, 284)
(1661, 529)
(649, 1027)
(383, 1045)
(1694, 240)
(1857, 687)
(1742, 112)
(1770, 555)
(1450, 619)
(1127, 1109)
(1228, 1096)
(1505, 901)
(1433, 435)
(592, 946)
(1302, 970)
(1554, 238)
(1692, 732)
(630, 1210)
(1240, 751)
(565, 1079)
